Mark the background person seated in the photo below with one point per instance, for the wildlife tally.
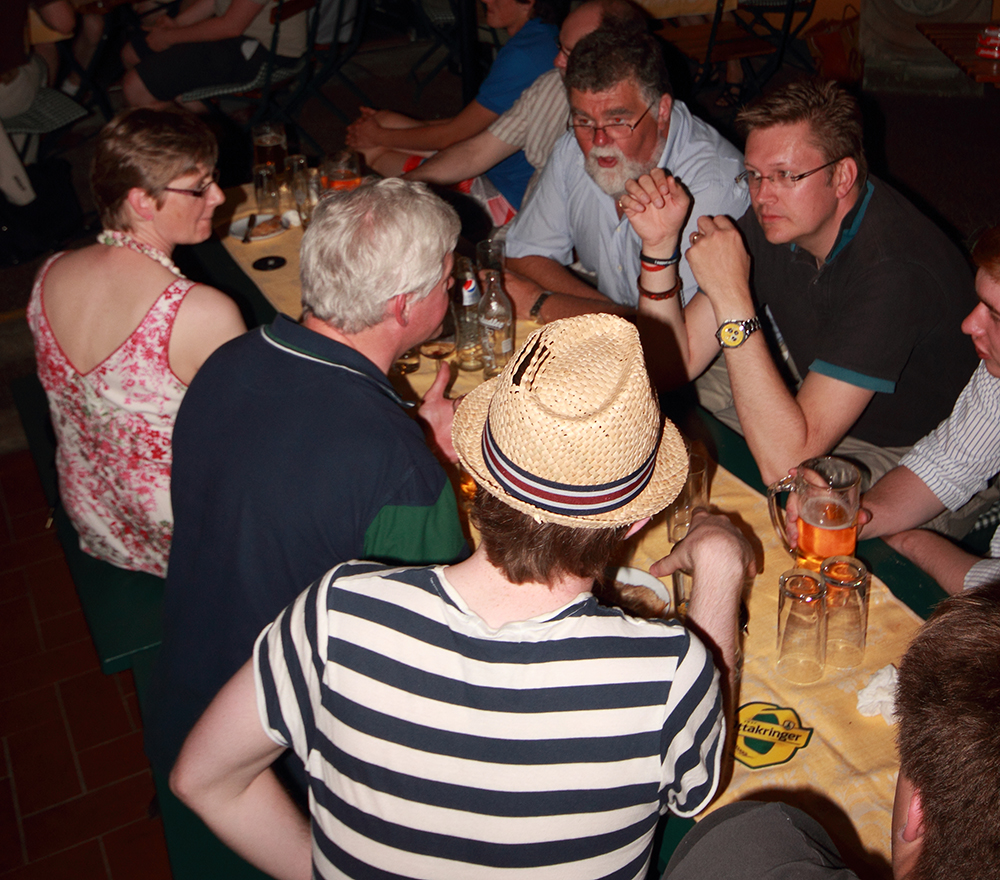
(539, 117)
(955, 461)
(393, 143)
(119, 333)
(172, 58)
(487, 716)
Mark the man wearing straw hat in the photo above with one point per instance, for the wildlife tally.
(466, 720)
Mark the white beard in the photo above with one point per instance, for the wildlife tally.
(612, 180)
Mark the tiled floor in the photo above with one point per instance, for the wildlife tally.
(75, 786)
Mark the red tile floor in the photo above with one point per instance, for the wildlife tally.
(75, 786)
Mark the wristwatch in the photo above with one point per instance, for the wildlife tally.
(536, 309)
(732, 334)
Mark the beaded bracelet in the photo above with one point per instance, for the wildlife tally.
(666, 294)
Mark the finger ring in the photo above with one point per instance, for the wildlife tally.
(695, 236)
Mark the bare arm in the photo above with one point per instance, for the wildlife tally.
(468, 158)
(719, 559)
(166, 32)
(936, 555)
(366, 132)
(224, 774)
(678, 342)
(899, 501)
(206, 319)
(781, 429)
(527, 277)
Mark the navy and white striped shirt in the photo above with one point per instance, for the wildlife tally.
(439, 747)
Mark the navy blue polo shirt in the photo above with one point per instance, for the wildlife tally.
(292, 453)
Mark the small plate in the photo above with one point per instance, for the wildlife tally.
(639, 578)
(238, 228)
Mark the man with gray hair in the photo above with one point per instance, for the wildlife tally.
(624, 123)
(293, 453)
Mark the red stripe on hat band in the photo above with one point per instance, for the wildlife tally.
(564, 498)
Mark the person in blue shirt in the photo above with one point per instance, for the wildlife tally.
(392, 143)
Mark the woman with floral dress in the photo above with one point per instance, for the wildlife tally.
(119, 333)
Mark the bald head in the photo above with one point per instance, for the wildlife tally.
(589, 16)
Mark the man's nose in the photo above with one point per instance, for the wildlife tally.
(973, 323)
(766, 191)
(601, 137)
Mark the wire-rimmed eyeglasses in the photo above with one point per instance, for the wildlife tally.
(197, 193)
(786, 179)
(617, 131)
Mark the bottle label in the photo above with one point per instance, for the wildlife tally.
(493, 323)
(470, 292)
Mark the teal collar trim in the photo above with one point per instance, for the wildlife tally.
(852, 222)
(849, 226)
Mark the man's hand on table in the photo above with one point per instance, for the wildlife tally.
(657, 206)
(712, 542)
(720, 560)
(159, 36)
(437, 412)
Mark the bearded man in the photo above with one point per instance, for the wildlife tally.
(624, 122)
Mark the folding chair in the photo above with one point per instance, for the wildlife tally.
(51, 111)
(274, 73)
(326, 61)
(756, 23)
(710, 43)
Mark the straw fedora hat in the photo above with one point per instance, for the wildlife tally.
(570, 432)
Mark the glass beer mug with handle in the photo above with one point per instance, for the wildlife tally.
(827, 493)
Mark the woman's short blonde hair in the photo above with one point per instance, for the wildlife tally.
(147, 149)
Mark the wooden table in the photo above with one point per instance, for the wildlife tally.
(958, 41)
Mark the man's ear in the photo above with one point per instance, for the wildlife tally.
(663, 114)
(635, 527)
(914, 827)
(401, 309)
(845, 176)
(141, 202)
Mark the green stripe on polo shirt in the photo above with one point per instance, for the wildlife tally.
(417, 535)
(852, 378)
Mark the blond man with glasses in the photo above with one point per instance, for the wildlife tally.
(836, 303)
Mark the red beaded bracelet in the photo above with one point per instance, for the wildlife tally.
(666, 294)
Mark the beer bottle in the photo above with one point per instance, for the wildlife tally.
(496, 326)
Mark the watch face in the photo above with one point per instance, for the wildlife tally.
(732, 334)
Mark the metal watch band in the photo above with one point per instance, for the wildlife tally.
(733, 333)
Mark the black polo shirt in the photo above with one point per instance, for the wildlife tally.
(883, 312)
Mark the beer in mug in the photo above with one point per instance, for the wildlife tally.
(826, 528)
(827, 495)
